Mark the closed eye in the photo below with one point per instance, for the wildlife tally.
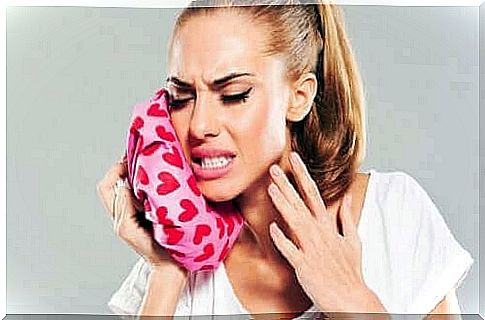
(234, 98)
(177, 103)
(237, 97)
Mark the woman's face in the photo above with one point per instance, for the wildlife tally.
(229, 103)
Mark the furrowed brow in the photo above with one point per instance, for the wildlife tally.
(215, 84)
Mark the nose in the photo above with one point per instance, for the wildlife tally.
(204, 121)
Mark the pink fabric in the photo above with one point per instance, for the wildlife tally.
(196, 233)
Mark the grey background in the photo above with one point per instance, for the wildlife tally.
(74, 73)
(482, 159)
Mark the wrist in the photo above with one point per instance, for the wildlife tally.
(365, 305)
(371, 302)
(170, 271)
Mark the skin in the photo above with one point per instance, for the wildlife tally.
(261, 266)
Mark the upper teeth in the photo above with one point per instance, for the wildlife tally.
(215, 162)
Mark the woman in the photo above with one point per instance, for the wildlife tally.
(277, 87)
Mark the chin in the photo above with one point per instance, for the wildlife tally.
(219, 193)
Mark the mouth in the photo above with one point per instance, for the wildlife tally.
(213, 163)
(209, 168)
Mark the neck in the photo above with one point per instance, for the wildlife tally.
(259, 212)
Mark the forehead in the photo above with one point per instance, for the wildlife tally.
(215, 44)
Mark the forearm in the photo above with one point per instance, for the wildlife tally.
(163, 290)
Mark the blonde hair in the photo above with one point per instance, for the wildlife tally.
(312, 38)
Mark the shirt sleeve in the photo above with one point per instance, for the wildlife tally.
(128, 298)
(438, 263)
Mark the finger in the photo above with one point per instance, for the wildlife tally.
(117, 171)
(348, 225)
(331, 216)
(297, 225)
(132, 200)
(123, 158)
(289, 192)
(105, 186)
(284, 245)
(307, 187)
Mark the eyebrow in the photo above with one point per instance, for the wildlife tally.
(216, 83)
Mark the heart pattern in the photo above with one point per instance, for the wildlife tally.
(175, 253)
(229, 222)
(162, 216)
(196, 233)
(147, 206)
(137, 124)
(155, 111)
(190, 210)
(159, 94)
(201, 231)
(152, 148)
(193, 186)
(142, 176)
(169, 183)
(224, 251)
(208, 252)
(174, 158)
(164, 134)
(220, 226)
(174, 235)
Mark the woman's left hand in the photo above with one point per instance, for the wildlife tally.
(327, 264)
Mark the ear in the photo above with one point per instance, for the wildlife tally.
(303, 91)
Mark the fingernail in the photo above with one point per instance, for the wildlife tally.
(272, 227)
(275, 170)
(272, 189)
(294, 158)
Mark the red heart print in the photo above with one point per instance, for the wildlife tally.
(207, 267)
(239, 218)
(147, 206)
(140, 195)
(224, 251)
(229, 222)
(139, 143)
(150, 149)
(159, 94)
(201, 231)
(155, 111)
(174, 234)
(220, 226)
(193, 186)
(208, 252)
(169, 183)
(162, 216)
(164, 134)
(190, 210)
(174, 158)
(175, 253)
(137, 124)
(142, 176)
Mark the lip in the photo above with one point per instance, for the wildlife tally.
(202, 152)
(210, 174)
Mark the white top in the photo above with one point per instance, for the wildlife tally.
(410, 259)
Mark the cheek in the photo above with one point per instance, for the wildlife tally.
(266, 133)
(180, 124)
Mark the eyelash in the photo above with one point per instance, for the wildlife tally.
(234, 98)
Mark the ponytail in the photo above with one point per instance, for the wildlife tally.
(331, 139)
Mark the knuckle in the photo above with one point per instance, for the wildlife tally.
(121, 229)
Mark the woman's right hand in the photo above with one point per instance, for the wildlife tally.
(126, 212)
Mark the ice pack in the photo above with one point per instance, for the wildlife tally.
(197, 233)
